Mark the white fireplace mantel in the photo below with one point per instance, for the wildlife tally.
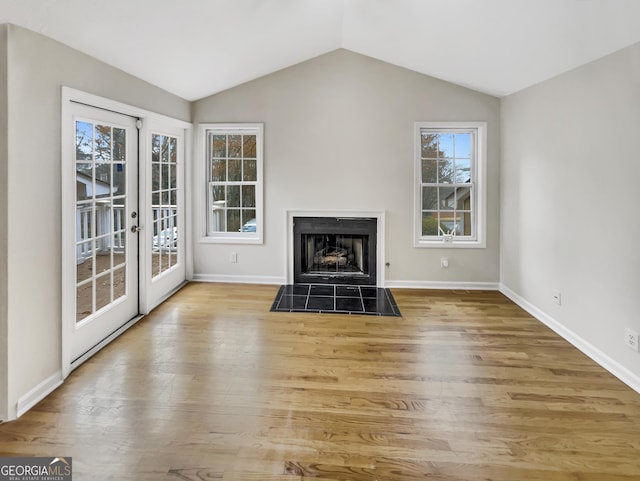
(377, 214)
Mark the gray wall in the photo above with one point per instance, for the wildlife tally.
(339, 135)
(37, 68)
(3, 221)
(569, 207)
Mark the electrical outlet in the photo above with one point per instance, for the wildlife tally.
(234, 257)
(444, 263)
(631, 339)
(557, 296)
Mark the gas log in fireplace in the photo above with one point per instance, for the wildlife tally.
(334, 250)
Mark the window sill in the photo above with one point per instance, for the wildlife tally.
(454, 244)
(231, 240)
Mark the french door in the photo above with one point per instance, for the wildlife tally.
(106, 225)
(123, 221)
(165, 267)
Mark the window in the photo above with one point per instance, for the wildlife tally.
(234, 182)
(450, 184)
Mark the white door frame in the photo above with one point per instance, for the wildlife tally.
(147, 118)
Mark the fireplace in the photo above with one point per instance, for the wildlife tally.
(335, 250)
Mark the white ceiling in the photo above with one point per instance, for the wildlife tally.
(195, 48)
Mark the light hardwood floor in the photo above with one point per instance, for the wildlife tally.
(213, 386)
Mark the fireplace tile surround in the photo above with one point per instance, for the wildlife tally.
(337, 299)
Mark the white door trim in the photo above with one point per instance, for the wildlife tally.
(69, 96)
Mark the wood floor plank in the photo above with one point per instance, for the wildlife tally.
(465, 386)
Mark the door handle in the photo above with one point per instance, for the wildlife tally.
(135, 229)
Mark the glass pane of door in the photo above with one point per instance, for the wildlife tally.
(101, 199)
(164, 195)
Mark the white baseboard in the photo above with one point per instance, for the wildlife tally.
(468, 286)
(38, 393)
(239, 279)
(611, 365)
(451, 285)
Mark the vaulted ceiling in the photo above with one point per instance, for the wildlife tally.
(195, 48)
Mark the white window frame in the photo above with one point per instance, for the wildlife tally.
(230, 129)
(479, 179)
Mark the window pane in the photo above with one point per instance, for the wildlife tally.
(218, 194)
(218, 219)
(235, 145)
(173, 240)
(430, 223)
(233, 196)
(84, 221)
(119, 145)
(173, 149)
(235, 170)
(84, 181)
(249, 220)
(250, 173)
(447, 197)
(172, 176)
(429, 198)
(164, 157)
(164, 259)
(119, 284)
(103, 219)
(463, 171)
(103, 143)
(445, 144)
(155, 253)
(155, 148)
(464, 223)
(233, 220)
(218, 170)
(447, 222)
(248, 196)
(165, 176)
(103, 180)
(118, 183)
(463, 198)
(84, 140)
(84, 268)
(119, 222)
(429, 145)
(249, 142)
(103, 287)
(219, 146)
(463, 145)
(429, 171)
(445, 171)
(118, 246)
(84, 301)
(155, 177)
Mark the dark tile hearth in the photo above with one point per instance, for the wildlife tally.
(339, 299)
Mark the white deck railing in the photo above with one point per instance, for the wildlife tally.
(111, 228)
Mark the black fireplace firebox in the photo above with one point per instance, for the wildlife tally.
(335, 250)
